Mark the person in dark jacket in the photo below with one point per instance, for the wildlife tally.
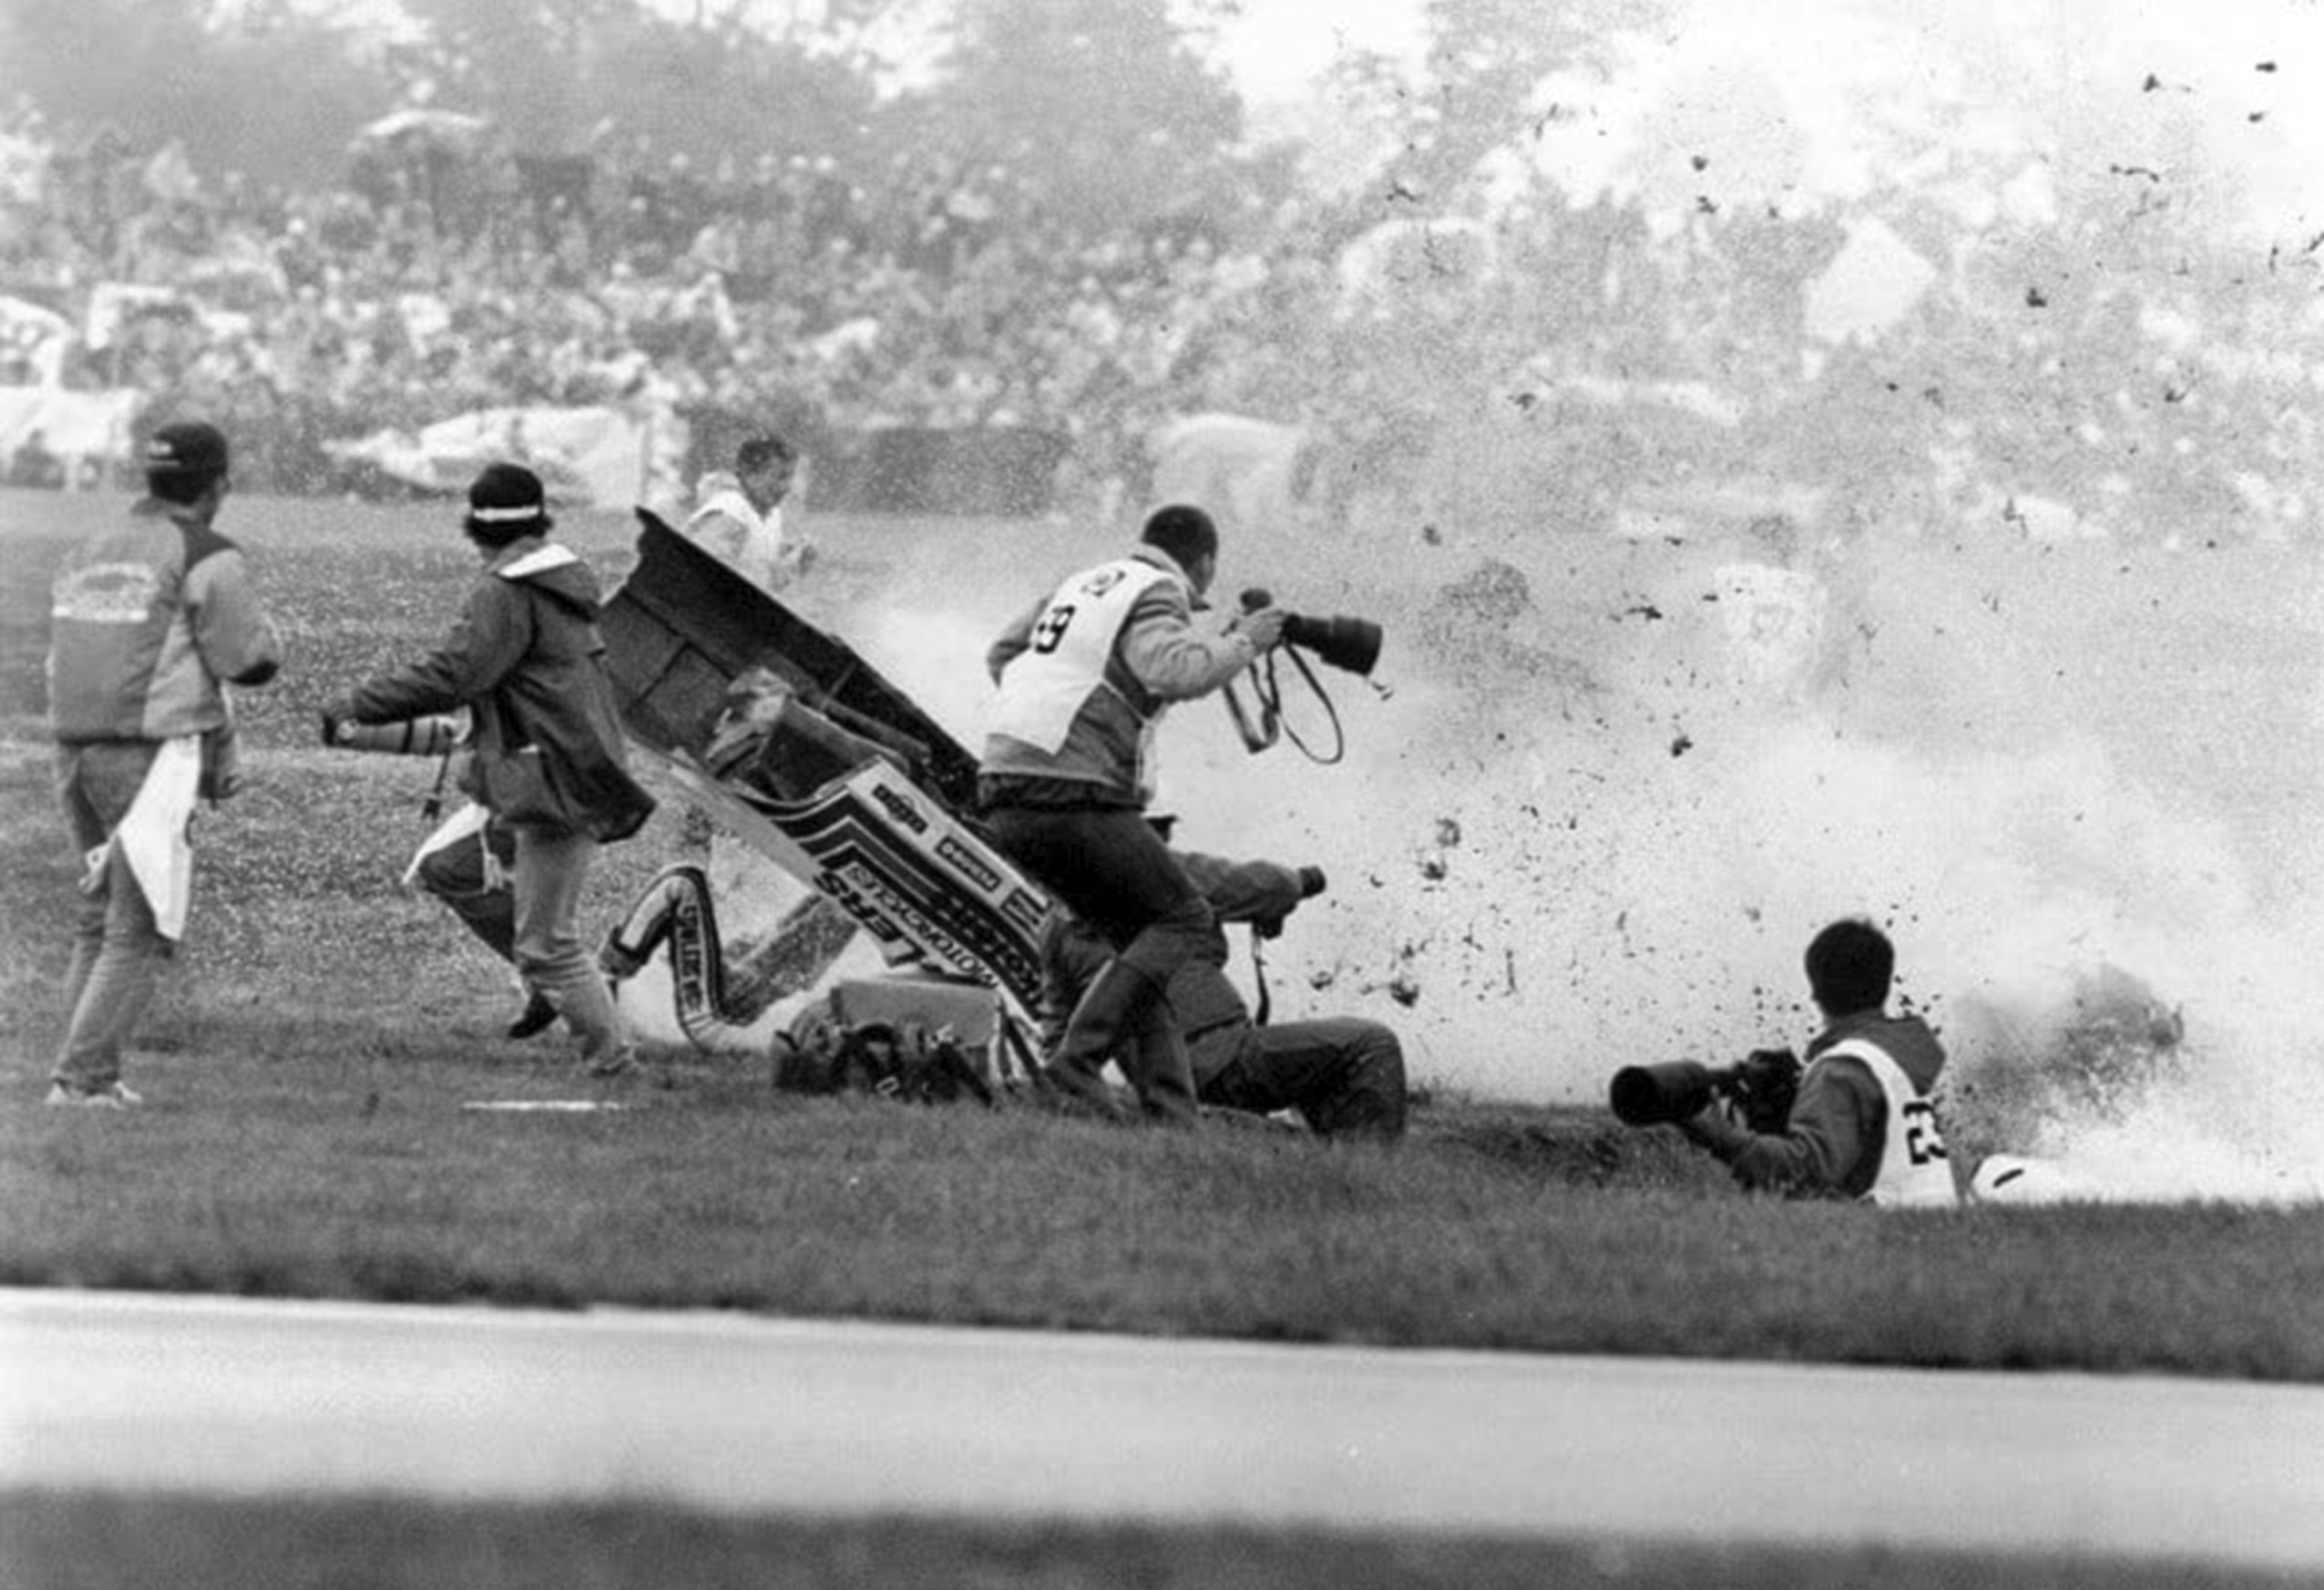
(1343, 1075)
(1863, 1123)
(153, 620)
(549, 761)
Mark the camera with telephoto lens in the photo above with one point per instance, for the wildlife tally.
(430, 736)
(1350, 644)
(1761, 1087)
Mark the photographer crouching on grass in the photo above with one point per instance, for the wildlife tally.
(1857, 1122)
(549, 761)
(1343, 1075)
(1084, 676)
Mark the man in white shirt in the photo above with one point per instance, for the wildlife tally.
(739, 517)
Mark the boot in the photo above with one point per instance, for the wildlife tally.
(1161, 1070)
(1111, 1011)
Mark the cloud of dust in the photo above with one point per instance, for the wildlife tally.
(1572, 837)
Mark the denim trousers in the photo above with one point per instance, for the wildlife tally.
(1113, 870)
(117, 951)
(1344, 1074)
(459, 876)
(550, 873)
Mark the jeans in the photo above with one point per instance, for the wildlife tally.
(551, 872)
(457, 876)
(1345, 1076)
(1113, 871)
(117, 951)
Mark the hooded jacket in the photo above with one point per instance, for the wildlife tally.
(526, 661)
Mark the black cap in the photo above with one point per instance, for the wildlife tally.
(188, 447)
(506, 503)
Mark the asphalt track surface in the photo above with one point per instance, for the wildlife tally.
(233, 1398)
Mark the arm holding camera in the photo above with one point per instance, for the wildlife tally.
(1779, 1129)
(1820, 1139)
(1259, 893)
(1167, 654)
(1862, 1124)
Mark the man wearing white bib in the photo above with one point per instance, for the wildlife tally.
(1863, 1123)
(1085, 675)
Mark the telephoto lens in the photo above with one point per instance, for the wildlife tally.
(413, 737)
(1644, 1095)
(1350, 644)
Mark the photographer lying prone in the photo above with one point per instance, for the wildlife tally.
(1862, 1124)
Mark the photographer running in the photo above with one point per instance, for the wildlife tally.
(550, 762)
(1343, 1075)
(1085, 675)
(1862, 1124)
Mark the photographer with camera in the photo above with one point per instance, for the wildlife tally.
(550, 760)
(1343, 1075)
(152, 619)
(1861, 1124)
(1084, 676)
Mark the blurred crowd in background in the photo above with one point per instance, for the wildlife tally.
(1551, 357)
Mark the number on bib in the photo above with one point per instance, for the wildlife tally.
(1048, 633)
(1922, 1140)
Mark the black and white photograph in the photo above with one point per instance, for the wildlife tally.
(854, 793)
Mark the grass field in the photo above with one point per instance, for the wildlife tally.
(308, 1065)
(189, 1544)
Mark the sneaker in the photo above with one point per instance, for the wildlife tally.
(113, 1095)
(539, 1014)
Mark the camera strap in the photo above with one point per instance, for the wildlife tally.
(432, 807)
(1263, 1004)
(1256, 736)
(1270, 692)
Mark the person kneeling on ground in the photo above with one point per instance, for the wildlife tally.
(1343, 1075)
(1862, 1124)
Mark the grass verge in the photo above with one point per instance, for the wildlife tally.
(310, 1062)
(65, 1542)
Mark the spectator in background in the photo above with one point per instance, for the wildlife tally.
(739, 517)
(153, 620)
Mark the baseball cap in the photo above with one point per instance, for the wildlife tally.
(186, 447)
